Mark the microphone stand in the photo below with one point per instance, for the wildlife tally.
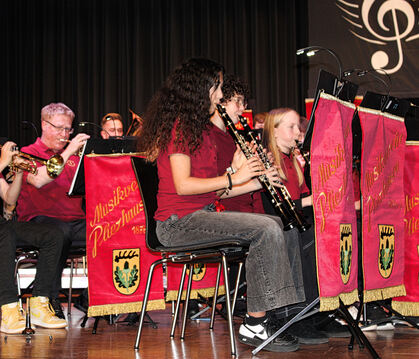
(312, 50)
(83, 124)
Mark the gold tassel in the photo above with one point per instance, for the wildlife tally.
(410, 309)
(204, 292)
(107, 309)
(384, 293)
(332, 303)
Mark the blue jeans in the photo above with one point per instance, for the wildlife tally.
(273, 265)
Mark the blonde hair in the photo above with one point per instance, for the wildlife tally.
(272, 121)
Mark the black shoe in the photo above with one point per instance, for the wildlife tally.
(132, 318)
(330, 327)
(58, 309)
(193, 308)
(375, 312)
(307, 333)
(255, 335)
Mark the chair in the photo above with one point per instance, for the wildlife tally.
(221, 251)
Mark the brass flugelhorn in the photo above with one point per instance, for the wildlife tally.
(54, 164)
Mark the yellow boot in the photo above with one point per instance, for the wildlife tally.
(43, 315)
(12, 319)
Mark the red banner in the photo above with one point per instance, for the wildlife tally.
(117, 256)
(409, 305)
(333, 202)
(383, 149)
(203, 281)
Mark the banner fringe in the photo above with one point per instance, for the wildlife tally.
(410, 309)
(98, 310)
(332, 303)
(204, 292)
(384, 293)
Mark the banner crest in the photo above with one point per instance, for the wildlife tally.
(126, 270)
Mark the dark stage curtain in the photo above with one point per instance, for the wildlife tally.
(100, 56)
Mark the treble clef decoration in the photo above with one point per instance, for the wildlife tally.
(384, 31)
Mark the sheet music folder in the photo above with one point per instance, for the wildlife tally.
(100, 146)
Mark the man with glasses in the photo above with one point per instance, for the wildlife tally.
(112, 126)
(44, 199)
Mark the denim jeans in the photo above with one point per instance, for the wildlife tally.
(47, 239)
(273, 265)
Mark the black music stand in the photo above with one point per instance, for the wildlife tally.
(100, 146)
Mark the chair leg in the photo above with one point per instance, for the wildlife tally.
(228, 304)
(236, 288)
(70, 288)
(145, 299)
(19, 291)
(185, 309)
(214, 302)
(179, 299)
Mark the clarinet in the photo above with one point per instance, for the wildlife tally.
(288, 221)
(286, 199)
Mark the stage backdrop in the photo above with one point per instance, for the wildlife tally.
(367, 34)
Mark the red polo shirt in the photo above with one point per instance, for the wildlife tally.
(50, 200)
(203, 165)
(225, 148)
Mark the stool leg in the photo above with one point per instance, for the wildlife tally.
(228, 304)
(236, 288)
(70, 288)
(214, 302)
(185, 310)
(179, 299)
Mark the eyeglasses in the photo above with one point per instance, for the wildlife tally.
(59, 129)
(239, 101)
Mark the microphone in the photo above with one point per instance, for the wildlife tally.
(85, 123)
(360, 73)
(312, 50)
(31, 124)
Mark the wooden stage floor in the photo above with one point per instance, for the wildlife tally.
(117, 341)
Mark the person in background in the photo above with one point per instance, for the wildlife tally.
(112, 126)
(47, 239)
(43, 198)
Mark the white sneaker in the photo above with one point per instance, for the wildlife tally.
(255, 335)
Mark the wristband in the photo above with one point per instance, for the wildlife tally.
(230, 182)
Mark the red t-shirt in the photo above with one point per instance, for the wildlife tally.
(50, 200)
(225, 148)
(203, 165)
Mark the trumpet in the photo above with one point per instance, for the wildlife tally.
(54, 164)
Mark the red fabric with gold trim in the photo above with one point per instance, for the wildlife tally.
(409, 305)
(383, 149)
(333, 202)
(203, 281)
(117, 256)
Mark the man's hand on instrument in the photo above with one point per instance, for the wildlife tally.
(77, 142)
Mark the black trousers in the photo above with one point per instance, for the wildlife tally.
(48, 239)
(74, 237)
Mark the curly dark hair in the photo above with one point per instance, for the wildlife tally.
(184, 98)
(233, 85)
